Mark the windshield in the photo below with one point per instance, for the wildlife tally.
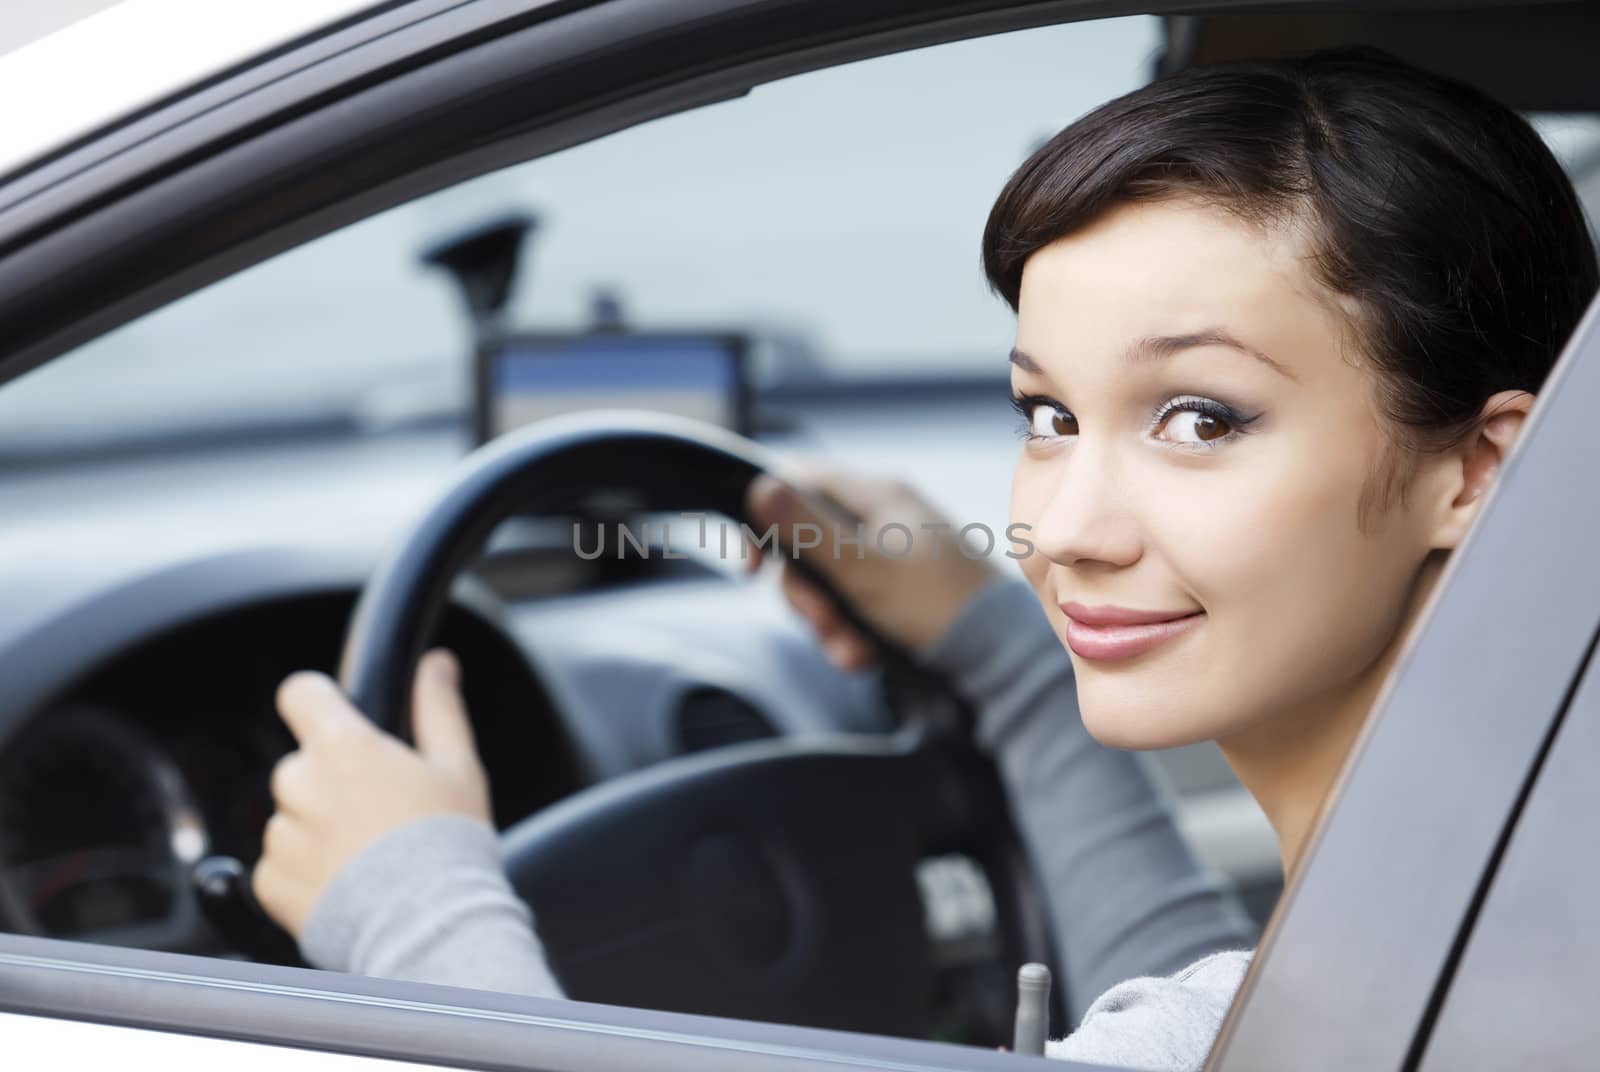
(834, 217)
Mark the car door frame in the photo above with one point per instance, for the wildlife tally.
(451, 1026)
(1443, 767)
(334, 135)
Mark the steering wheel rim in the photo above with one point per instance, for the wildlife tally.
(672, 463)
(924, 791)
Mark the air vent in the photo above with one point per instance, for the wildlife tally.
(711, 718)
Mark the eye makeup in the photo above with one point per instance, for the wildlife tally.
(1235, 421)
(1027, 407)
(1206, 410)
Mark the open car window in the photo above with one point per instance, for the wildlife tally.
(833, 216)
(707, 220)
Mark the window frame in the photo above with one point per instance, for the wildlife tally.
(456, 1027)
(1542, 875)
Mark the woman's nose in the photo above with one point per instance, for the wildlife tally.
(1088, 516)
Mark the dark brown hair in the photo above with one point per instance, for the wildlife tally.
(1437, 208)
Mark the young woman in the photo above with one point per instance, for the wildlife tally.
(1278, 325)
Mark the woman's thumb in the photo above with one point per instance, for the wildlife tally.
(439, 714)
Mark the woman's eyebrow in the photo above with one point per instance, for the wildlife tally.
(1024, 361)
(1156, 347)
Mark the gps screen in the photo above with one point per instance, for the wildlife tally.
(526, 378)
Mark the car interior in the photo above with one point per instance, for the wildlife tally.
(198, 502)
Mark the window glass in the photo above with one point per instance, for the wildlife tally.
(836, 214)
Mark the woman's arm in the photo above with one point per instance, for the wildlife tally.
(381, 859)
(429, 902)
(1126, 896)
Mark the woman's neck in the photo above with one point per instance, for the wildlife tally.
(1290, 764)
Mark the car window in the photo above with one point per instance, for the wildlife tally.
(833, 218)
(835, 214)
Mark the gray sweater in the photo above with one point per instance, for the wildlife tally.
(1138, 922)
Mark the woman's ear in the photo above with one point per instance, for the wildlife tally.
(1474, 465)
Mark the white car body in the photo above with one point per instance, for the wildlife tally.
(117, 61)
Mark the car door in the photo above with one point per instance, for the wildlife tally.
(1520, 980)
(1455, 796)
(270, 156)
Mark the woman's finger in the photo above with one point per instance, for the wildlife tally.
(439, 716)
(847, 650)
(311, 705)
(819, 610)
(290, 779)
(807, 599)
(844, 645)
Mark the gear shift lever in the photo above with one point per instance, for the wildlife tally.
(222, 886)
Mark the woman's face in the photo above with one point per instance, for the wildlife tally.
(1199, 447)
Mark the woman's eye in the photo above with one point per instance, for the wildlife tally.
(1048, 421)
(1187, 426)
(1197, 422)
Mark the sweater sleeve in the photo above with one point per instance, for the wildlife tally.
(1126, 896)
(1165, 1024)
(430, 902)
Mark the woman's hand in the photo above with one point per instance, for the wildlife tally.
(912, 598)
(350, 782)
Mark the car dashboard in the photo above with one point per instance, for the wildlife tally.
(154, 748)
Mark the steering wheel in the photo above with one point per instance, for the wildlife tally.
(772, 880)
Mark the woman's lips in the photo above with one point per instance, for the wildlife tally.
(1121, 633)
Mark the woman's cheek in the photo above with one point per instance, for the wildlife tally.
(1289, 581)
(1030, 491)
(1250, 551)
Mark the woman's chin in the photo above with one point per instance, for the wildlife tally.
(1141, 725)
